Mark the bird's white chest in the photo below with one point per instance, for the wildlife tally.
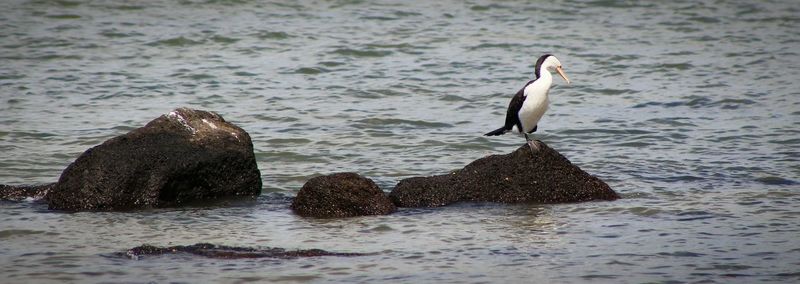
(535, 104)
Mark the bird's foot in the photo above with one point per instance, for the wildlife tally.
(534, 146)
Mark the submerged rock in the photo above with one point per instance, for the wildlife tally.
(181, 157)
(227, 252)
(341, 195)
(22, 192)
(544, 176)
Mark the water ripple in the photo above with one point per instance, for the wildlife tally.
(693, 120)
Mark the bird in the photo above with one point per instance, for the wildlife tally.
(530, 103)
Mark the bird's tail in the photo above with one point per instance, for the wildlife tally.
(496, 132)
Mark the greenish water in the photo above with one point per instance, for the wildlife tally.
(691, 110)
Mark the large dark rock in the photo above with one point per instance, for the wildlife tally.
(341, 195)
(181, 157)
(228, 252)
(544, 176)
(22, 192)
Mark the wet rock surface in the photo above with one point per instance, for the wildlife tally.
(523, 176)
(181, 157)
(228, 252)
(341, 195)
(22, 192)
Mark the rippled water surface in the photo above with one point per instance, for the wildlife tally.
(691, 111)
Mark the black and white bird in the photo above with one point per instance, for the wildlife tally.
(529, 104)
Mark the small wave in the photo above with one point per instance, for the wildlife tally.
(794, 141)
(388, 92)
(775, 180)
(481, 8)
(681, 254)
(400, 47)
(116, 34)
(60, 3)
(678, 66)
(290, 157)
(681, 178)
(493, 45)
(176, 42)
(605, 131)
(735, 137)
(694, 215)
(184, 42)
(600, 276)
(406, 14)
(362, 53)
(310, 70)
(644, 211)
(634, 144)
(223, 39)
(617, 4)
(609, 92)
(271, 35)
(199, 77)
(671, 121)
(7, 234)
(625, 57)
(11, 77)
(700, 102)
(127, 7)
(704, 20)
(331, 63)
(378, 229)
(67, 78)
(64, 16)
(454, 98)
(287, 141)
(244, 74)
(215, 2)
(58, 57)
(732, 103)
(396, 122)
(379, 18)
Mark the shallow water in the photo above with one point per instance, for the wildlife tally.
(689, 110)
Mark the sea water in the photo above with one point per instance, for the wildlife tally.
(689, 109)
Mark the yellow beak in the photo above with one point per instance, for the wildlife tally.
(561, 72)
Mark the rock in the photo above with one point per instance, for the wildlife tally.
(22, 192)
(181, 157)
(227, 252)
(519, 177)
(341, 195)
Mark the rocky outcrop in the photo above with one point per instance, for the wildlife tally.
(341, 195)
(228, 252)
(22, 192)
(181, 157)
(523, 176)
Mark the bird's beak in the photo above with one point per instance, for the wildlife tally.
(561, 72)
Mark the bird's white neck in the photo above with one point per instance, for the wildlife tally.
(543, 72)
(540, 87)
(545, 80)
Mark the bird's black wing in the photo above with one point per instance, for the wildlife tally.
(512, 116)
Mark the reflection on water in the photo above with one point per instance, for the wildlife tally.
(689, 110)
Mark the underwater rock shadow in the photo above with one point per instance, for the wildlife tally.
(230, 252)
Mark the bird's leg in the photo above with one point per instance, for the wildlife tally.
(531, 143)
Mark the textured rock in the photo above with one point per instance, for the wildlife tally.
(22, 192)
(341, 195)
(181, 157)
(227, 252)
(519, 177)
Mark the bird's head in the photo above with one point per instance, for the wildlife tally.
(548, 63)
